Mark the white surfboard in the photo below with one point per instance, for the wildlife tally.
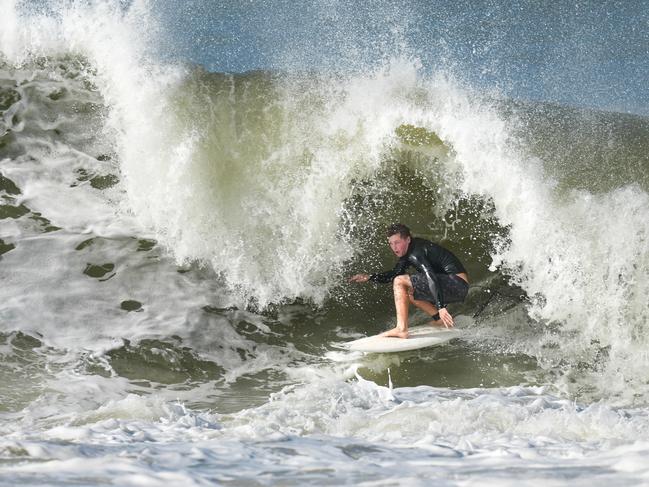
(418, 337)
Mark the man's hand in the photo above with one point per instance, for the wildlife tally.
(446, 318)
(359, 278)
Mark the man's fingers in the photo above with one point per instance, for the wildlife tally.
(447, 319)
(359, 278)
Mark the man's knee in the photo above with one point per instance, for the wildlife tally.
(402, 281)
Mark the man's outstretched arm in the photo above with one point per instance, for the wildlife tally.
(382, 277)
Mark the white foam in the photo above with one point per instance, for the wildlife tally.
(336, 429)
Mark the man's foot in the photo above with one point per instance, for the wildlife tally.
(396, 333)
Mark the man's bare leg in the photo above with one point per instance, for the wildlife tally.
(432, 310)
(402, 287)
(429, 308)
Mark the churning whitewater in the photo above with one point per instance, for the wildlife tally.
(175, 243)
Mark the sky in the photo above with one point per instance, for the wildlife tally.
(592, 54)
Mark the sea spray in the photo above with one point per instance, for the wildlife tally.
(256, 176)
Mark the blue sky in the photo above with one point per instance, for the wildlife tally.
(591, 54)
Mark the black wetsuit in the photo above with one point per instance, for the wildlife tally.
(436, 279)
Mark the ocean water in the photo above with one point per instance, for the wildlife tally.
(186, 187)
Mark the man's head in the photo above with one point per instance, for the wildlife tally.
(399, 238)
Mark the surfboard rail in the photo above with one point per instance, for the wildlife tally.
(418, 337)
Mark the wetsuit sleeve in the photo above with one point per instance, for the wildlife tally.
(388, 276)
(434, 286)
(433, 283)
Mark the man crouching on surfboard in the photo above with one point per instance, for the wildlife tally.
(440, 279)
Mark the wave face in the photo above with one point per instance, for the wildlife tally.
(168, 233)
(282, 182)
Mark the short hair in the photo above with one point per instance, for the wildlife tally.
(399, 228)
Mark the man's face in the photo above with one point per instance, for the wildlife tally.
(399, 245)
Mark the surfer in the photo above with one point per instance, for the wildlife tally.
(440, 279)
